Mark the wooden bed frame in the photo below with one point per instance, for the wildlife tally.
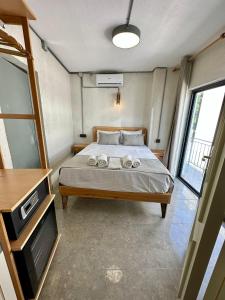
(162, 198)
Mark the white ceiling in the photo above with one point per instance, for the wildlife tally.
(79, 31)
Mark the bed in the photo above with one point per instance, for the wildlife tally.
(151, 182)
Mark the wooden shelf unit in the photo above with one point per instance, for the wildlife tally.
(47, 267)
(18, 244)
(15, 8)
(15, 186)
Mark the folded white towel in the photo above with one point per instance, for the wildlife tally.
(136, 163)
(127, 161)
(92, 160)
(114, 163)
(102, 161)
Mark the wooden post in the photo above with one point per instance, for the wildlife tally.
(10, 259)
(163, 209)
(216, 283)
(64, 201)
(1, 159)
(34, 93)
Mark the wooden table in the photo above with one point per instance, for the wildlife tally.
(78, 147)
(159, 153)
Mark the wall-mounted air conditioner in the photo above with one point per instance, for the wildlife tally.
(109, 80)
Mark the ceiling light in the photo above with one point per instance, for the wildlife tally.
(126, 36)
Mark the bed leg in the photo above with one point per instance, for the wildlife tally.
(163, 209)
(64, 201)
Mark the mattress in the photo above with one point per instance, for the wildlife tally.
(123, 180)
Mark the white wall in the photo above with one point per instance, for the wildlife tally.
(54, 84)
(161, 100)
(168, 107)
(136, 106)
(155, 106)
(99, 103)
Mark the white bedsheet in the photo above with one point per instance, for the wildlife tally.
(115, 180)
(118, 151)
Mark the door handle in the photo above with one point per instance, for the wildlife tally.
(206, 157)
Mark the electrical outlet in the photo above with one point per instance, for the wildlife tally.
(157, 141)
(83, 135)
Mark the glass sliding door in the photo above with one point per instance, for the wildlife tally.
(202, 122)
(18, 137)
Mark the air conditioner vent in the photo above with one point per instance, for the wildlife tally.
(109, 80)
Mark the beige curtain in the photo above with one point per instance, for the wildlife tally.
(174, 141)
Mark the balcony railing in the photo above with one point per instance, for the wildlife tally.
(199, 148)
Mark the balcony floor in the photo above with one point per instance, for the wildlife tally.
(193, 176)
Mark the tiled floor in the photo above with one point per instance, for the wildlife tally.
(120, 250)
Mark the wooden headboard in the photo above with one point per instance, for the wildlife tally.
(107, 128)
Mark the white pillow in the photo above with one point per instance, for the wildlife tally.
(107, 132)
(129, 132)
(133, 139)
(109, 139)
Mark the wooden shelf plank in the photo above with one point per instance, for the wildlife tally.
(18, 244)
(16, 8)
(17, 116)
(47, 267)
(17, 184)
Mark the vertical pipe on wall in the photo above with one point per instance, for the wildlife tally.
(157, 95)
(161, 108)
(82, 102)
